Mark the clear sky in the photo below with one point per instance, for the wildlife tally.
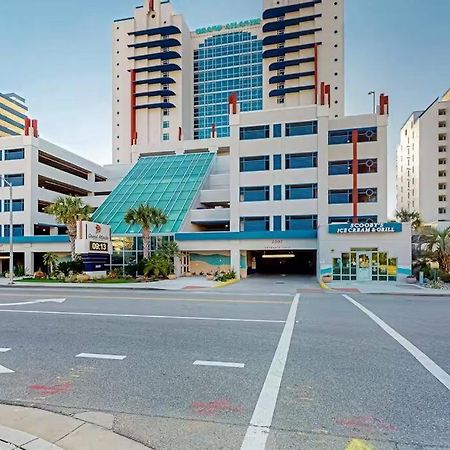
(57, 54)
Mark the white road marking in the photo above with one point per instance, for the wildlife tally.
(4, 369)
(144, 316)
(100, 356)
(4, 350)
(259, 428)
(219, 364)
(49, 300)
(426, 362)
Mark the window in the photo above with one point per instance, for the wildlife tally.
(366, 195)
(255, 223)
(277, 192)
(165, 137)
(442, 149)
(165, 124)
(301, 191)
(165, 112)
(280, 100)
(18, 153)
(301, 223)
(276, 162)
(442, 173)
(257, 132)
(301, 160)
(442, 124)
(442, 198)
(18, 230)
(276, 223)
(442, 137)
(345, 167)
(345, 136)
(255, 194)
(442, 161)
(254, 163)
(15, 179)
(277, 130)
(441, 211)
(301, 128)
(17, 205)
(442, 112)
(442, 186)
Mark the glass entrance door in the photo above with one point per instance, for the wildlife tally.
(363, 270)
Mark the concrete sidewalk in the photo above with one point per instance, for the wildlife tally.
(35, 429)
(385, 287)
(182, 283)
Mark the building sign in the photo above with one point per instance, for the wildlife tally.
(93, 238)
(228, 26)
(346, 228)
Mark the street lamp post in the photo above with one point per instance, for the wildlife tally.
(373, 94)
(11, 245)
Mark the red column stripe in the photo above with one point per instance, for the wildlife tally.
(322, 93)
(27, 126)
(355, 175)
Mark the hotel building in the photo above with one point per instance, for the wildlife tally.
(13, 113)
(423, 169)
(238, 131)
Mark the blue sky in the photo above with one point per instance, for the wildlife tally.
(57, 54)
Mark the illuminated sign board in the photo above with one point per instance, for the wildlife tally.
(93, 238)
(228, 26)
(350, 228)
(99, 247)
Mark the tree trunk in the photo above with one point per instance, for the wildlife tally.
(146, 242)
(72, 232)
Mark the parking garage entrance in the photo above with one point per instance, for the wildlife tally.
(292, 262)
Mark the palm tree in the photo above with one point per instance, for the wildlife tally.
(403, 215)
(170, 251)
(147, 217)
(438, 244)
(67, 211)
(50, 260)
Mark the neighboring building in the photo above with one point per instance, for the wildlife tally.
(423, 164)
(284, 182)
(176, 82)
(13, 113)
(39, 172)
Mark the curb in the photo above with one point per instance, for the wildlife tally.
(225, 283)
(325, 287)
(25, 441)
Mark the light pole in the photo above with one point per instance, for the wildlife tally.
(11, 247)
(373, 94)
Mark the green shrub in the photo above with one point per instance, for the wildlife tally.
(225, 276)
(70, 266)
(133, 269)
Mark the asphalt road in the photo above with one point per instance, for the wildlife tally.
(345, 382)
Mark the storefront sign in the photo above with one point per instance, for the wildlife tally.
(346, 228)
(93, 238)
(228, 26)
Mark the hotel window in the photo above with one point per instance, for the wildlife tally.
(301, 223)
(441, 211)
(349, 219)
(301, 191)
(301, 128)
(277, 192)
(255, 223)
(165, 112)
(442, 149)
(280, 100)
(165, 124)
(366, 195)
(254, 163)
(442, 124)
(165, 136)
(15, 179)
(442, 112)
(276, 162)
(442, 198)
(255, 132)
(13, 154)
(18, 205)
(18, 230)
(345, 167)
(276, 223)
(442, 137)
(255, 194)
(442, 161)
(442, 186)
(345, 136)
(277, 130)
(301, 160)
(442, 173)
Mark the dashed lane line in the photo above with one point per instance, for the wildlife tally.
(4, 350)
(423, 359)
(219, 364)
(100, 356)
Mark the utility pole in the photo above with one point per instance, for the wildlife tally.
(11, 245)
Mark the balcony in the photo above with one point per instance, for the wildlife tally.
(207, 216)
(215, 197)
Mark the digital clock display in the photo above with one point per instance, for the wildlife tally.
(98, 246)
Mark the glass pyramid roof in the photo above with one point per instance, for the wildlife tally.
(167, 182)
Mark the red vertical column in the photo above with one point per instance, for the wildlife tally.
(34, 125)
(27, 126)
(133, 106)
(355, 175)
(316, 72)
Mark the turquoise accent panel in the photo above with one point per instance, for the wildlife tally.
(167, 182)
(326, 270)
(243, 262)
(36, 239)
(239, 235)
(404, 271)
(212, 260)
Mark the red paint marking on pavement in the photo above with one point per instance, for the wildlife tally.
(354, 290)
(51, 390)
(193, 287)
(210, 408)
(368, 423)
